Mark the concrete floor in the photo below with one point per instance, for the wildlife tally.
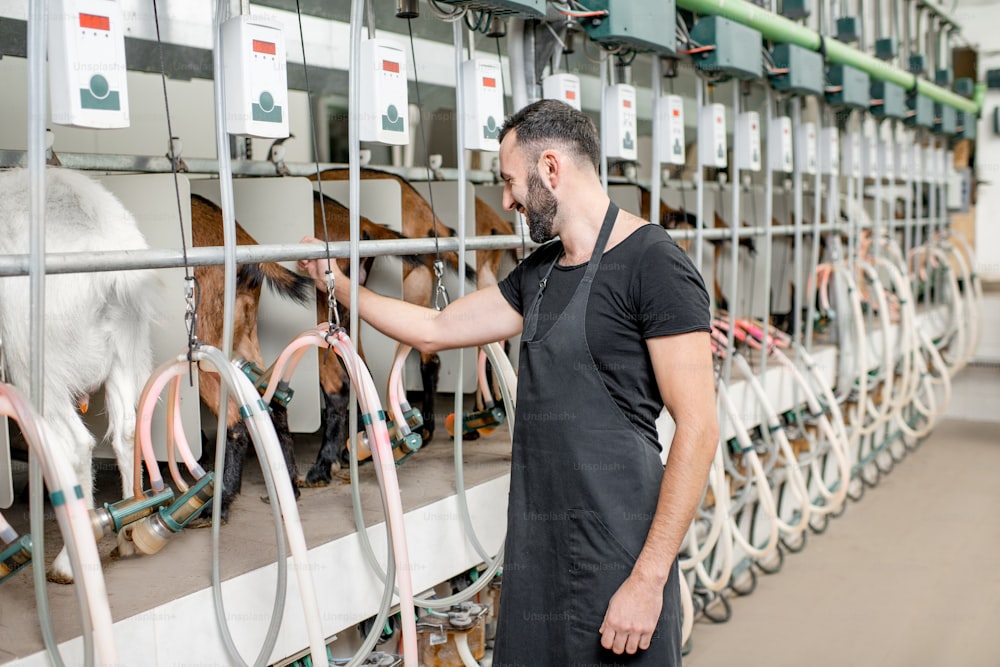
(905, 578)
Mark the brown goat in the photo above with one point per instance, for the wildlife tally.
(334, 383)
(419, 221)
(206, 230)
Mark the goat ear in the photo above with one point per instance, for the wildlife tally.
(366, 235)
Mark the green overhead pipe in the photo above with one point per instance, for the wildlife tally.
(779, 29)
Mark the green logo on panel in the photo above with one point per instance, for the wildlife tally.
(99, 95)
(265, 110)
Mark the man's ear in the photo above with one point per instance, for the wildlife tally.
(550, 167)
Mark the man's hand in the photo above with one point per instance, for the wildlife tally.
(632, 616)
(316, 268)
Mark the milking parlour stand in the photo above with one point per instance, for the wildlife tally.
(827, 140)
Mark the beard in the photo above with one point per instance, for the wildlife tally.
(542, 207)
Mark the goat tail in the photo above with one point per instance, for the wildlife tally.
(282, 281)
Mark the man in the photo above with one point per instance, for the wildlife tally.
(614, 321)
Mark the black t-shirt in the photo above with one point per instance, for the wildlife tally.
(645, 287)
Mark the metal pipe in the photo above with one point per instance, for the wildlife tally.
(354, 192)
(879, 168)
(918, 33)
(797, 244)
(877, 10)
(655, 177)
(225, 180)
(515, 59)
(699, 176)
(77, 262)
(896, 30)
(734, 247)
(37, 114)
(131, 260)
(768, 215)
(161, 165)
(814, 255)
(370, 18)
(604, 119)
(907, 16)
(908, 211)
(780, 29)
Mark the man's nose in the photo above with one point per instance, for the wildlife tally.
(508, 199)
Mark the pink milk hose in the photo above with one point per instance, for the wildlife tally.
(378, 438)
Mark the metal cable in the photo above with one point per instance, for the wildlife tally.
(315, 142)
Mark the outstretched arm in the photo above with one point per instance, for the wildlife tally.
(481, 317)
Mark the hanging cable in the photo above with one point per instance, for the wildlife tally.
(315, 146)
(440, 298)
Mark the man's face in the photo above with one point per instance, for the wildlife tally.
(525, 192)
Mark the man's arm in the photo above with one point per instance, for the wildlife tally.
(481, 317)
(684, 374)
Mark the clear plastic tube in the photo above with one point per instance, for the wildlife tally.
(73, 517)
(260, 425)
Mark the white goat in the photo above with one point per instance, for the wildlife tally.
(97, 325)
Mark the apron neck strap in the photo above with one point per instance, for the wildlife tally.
(602, 242)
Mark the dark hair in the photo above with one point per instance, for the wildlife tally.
(546, 121)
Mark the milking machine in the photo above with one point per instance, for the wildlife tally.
(902, 303)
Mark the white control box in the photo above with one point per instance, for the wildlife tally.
(483, 104)
(779, 145)
(829, 151)
(620, 126)
(712, 135)
(562, 87)
(87, 73)
(256, 77)
(672, 129)
(850, 155)
(805, 148)
(917, 162)
(947, 159)
(384, 98)
(746, 141)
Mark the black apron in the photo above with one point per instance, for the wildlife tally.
(584, 485)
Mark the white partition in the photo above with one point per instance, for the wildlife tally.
(626, 197)
(279, 210)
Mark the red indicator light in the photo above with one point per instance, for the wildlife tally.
(390, 66)
(489, 82)
(677, 113)
(627, 104)
(260, 46)
(95, 22)
(570, 94)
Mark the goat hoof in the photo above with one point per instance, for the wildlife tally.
(58, 577)
(125, 548)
